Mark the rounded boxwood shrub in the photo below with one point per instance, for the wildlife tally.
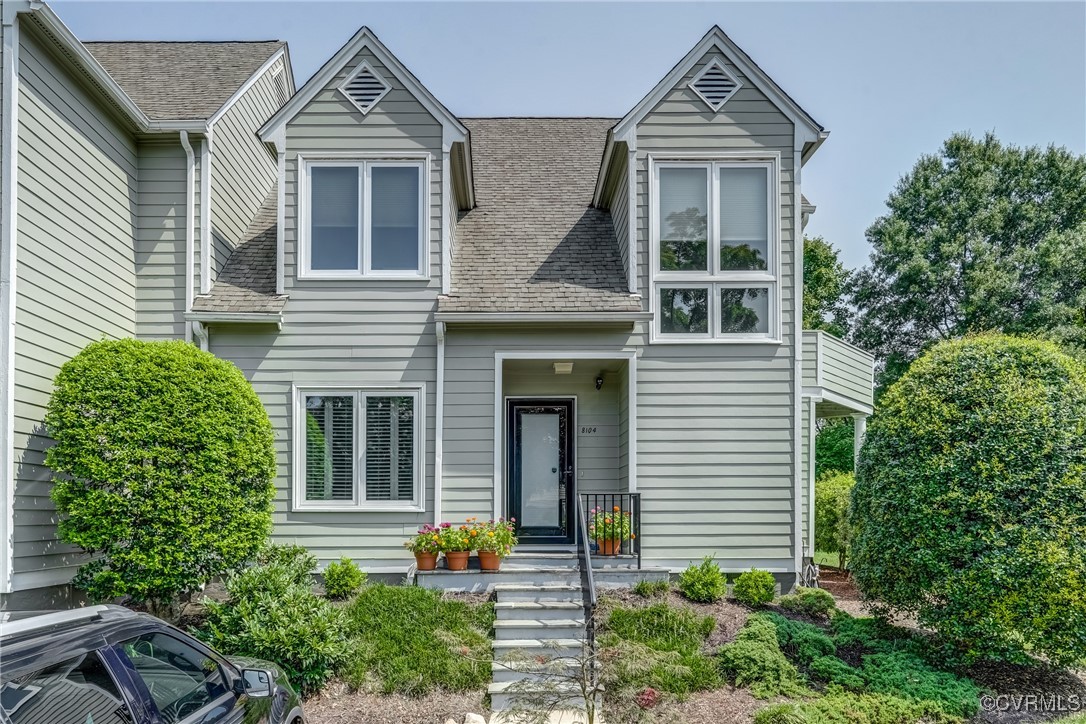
(832, 495)
(967, 510)
(755, 588)
(703, 583)
(343, 578)
(813, 602)
(164, 460)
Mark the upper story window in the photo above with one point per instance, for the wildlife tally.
(364, 218)
(715, 251)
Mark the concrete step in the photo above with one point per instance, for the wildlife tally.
(554, 628)
(529, 610)
(477, 581)
(538, 592)
(541, 559)
(514, 649)
(627, 577)
(530, 670)
(535, 695)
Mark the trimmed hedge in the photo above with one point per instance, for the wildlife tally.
(966, 510)
(165, 464)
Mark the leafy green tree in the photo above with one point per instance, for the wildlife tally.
(834, 447)
(165, 461)
(978, 237)
(825, 287)
(969, 498)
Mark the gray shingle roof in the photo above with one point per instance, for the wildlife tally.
(171, 81)
(534, 243)
(246, 283)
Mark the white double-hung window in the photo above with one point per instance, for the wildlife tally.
(363, 218)
(715, 251)
(358, 449)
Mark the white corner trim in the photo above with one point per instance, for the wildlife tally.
(190, 226)
(439, 420)
(205, 212)
(797, 347)
(249, 83)
(9, 186)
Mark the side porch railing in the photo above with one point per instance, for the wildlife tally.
(614, 504)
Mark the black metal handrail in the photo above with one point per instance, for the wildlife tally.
(588, 591)
(618, 504)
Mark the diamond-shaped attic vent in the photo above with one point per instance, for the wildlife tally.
(364, 88)
(714, 84)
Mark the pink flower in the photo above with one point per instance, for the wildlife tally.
(446, 525)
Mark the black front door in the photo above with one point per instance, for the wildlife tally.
(540, 469)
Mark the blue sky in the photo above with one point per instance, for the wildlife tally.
(890, 81)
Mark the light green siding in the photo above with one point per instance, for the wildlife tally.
(243, 168)
(351, 333)
(76, 273)
(620, 209)
(717, 424)
(837, 368)
(160, 237)
(808, 475)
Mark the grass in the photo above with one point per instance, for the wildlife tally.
(827, 559)
(410, 640)
(651, 589)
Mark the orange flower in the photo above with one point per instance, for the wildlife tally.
(607, 521)
(474, 533)
(632, 536)
(616, 509)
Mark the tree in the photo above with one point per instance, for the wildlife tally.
(832, 531)
(969, 498)
(164, 460)
(979, 237)
(834, 447)
(825, 286)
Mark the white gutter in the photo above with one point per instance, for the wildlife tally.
(190, 226)
(236, 317)
(542, 317)
(205, 211)
(439, 420)
(9, 187)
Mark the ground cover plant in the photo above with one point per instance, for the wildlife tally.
(411, 640)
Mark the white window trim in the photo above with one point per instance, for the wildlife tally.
(358, 503)
(364, 163)
(712, 277)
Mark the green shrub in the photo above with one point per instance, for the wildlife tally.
(755, 659)
(834, 671)
(343, 579)
(961, 512)
(813, 602)
(801, 641)
(832, 531)
(869, 634)
(164, 464)
(906, 676)
(846, 708)
(651, 589)
(669, 641)
(755, 588)
(272, 613)
(703, 583)
(412, 641)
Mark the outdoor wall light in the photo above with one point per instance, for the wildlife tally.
(563, 368)
(599, 380)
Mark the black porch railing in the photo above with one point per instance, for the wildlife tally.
(604, 505)
(588, 594)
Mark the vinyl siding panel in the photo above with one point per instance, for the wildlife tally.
(350, 333)
(76, 273)
(620, 210)
(242, 168)
(718, 446)
(807, 458)
(847, 370)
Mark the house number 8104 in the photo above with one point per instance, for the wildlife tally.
(588, 430)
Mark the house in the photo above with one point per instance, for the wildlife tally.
(445, 317)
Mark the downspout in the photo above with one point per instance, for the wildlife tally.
(190, 227)
(9, 186)
(797, 345)
(439, 419)
(199, 329)
(205, 210)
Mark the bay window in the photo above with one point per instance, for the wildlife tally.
(715, 250)
(363, 218)
(359, 448)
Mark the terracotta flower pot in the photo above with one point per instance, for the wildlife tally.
(489, 561)
(609, 547)
(426, 561)
(457, 560)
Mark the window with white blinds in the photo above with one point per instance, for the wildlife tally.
(364, 218)
(362, 449)
(714, 238)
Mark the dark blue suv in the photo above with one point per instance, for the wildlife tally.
(109, 665)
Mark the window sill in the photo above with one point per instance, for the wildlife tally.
(406, 277)
(356, 509)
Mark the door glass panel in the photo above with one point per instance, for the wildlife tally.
(181, 680)
(76, 691)
(540, 471)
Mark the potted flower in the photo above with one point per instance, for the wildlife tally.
(494, 541)
(425, 545)
(609, 528)
(457, 545)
